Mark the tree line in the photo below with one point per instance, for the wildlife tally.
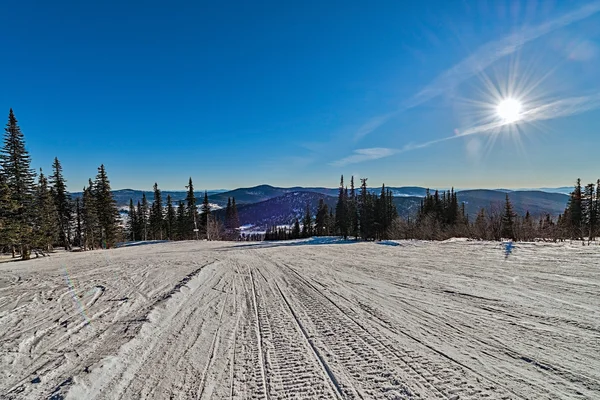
(180, 221)
(358, 213)
(37, 212)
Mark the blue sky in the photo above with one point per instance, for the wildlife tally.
(289, 93)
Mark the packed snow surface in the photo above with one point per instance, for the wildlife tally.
(312, 319)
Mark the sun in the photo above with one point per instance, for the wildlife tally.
(509, 110)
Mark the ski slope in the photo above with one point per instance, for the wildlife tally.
(303, 320)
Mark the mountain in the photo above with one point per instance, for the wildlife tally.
(535, 201)
(281, 210)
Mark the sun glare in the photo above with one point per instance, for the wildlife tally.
(509, 110)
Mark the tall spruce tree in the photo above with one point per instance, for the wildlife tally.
(589, 211)
(182, 222)
(132, 221)
(62, 203)
(353, 222)
(205, 215)
(78, 224)
(508, 229)
(156, 215)
(46, 224)
(235, 219)
(91, 231)
(170, 220)
(8, 207)
(192, 212)
(341, 211)
(106, 209)
(307, 222)
(576, 212)
(321, 219)
(19, 178)
(143, 217)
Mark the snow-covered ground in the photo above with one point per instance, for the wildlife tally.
(306, 319)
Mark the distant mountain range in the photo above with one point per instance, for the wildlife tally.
(266, 205)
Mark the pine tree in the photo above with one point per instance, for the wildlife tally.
(575, 212)
(205, 209)
(19, 178)
(143, 217)
(171, 219)
(235, 218)
(353, 222)
(45, 231)
(106, 209)
(589, 215)
(307, 222)
(132, 222)
(156, 214)
(341, 212)
(366, 211)
(296, 230)
(192, 211)
(508, 220)
(228, 216)
(182, 222)
(62, 203)
(8, 207)
(78, 224)
(321, 220)
(90, 219)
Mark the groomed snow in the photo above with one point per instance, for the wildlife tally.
(307, 319)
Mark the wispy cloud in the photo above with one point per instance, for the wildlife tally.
(477, 62)
(361, 155)
(552, 110)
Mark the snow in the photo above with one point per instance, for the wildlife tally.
(312, 318)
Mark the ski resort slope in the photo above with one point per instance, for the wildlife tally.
(303, 320)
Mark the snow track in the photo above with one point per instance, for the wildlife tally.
(191, 320)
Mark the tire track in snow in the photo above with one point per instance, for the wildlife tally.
(260, 336)
(452, 385)
(326, 369)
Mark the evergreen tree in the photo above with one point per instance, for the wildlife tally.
(19, 178)
(296, 230)
(353, 222)
(575, 211)
(235, 218)
(156, 215)
(205, 209)
(321, 220)
(8, 207)
(182, 222)
(62, 203)
(91, 233)
(366, 211)
(171, 219)
(589, 211)
(192, 212)
(307, 222)
(341, 212)
(228, 216)
(106, 209)
(133, 221)
(508, 220)
(78, 224)
(143, 218)
(45, 232)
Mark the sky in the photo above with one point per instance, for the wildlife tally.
(236, 94)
